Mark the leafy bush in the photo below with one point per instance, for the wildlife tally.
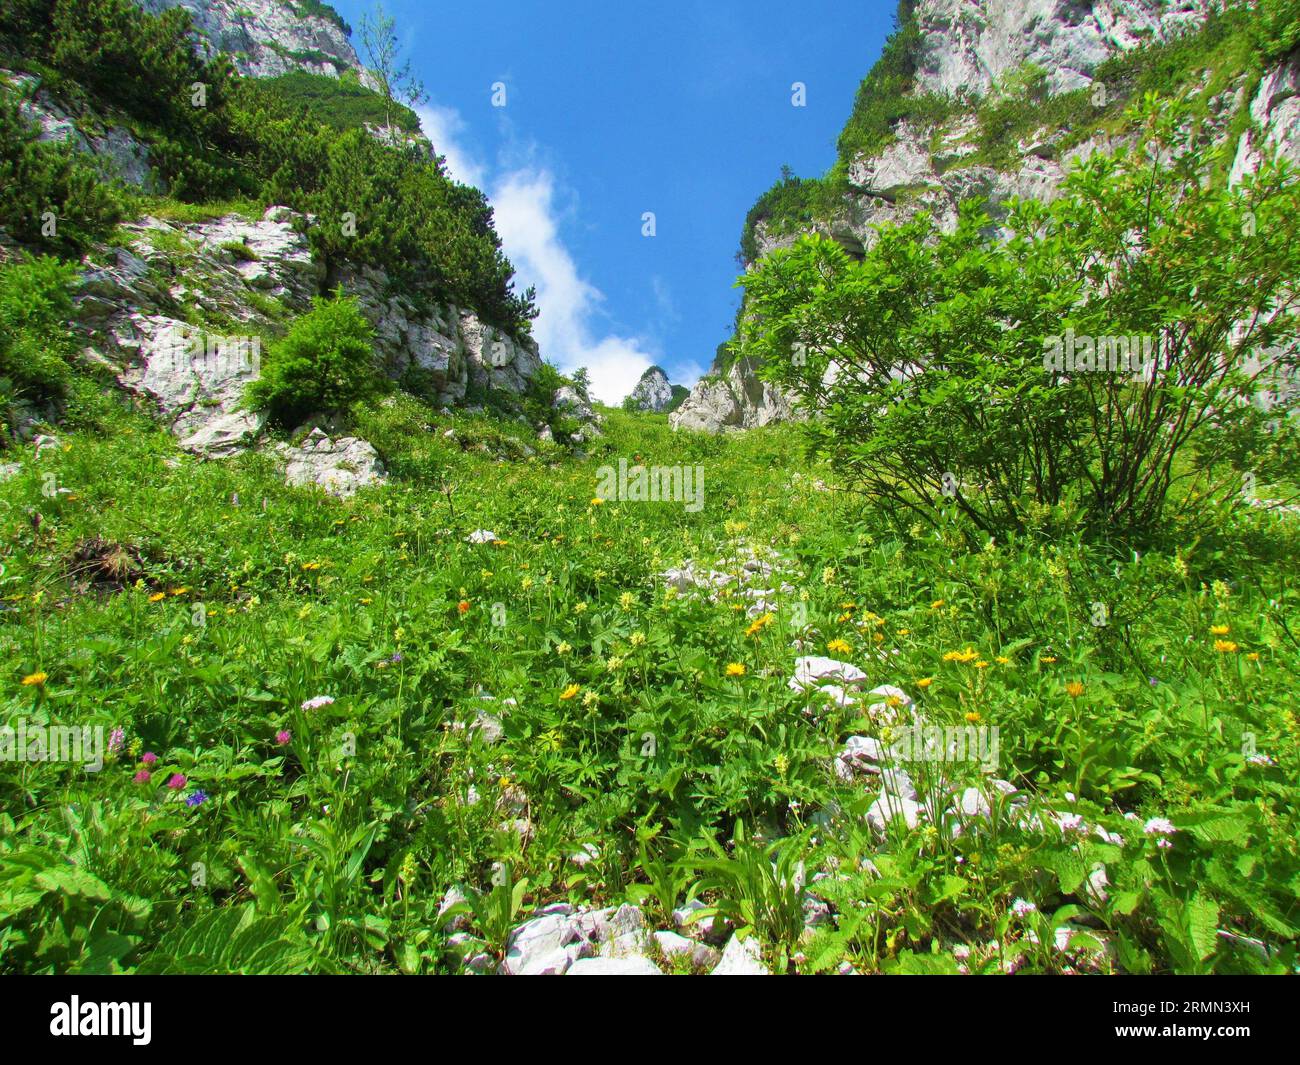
(35, 304)
(942, 393)
(325, 363)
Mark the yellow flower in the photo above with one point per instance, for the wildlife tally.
(925, 682)
(637, 639)
(1253, 656)
(570, 691)
(1225, 646)
(590, 699)
(1219, 630)
(1047, 659)
(597, 501)
(179, 591)
(968, 655)
(311, 565)
(735, 669)
(1074, 689)
(904, 632)
(759, 624)
(580, 608)
(1002, 660)
(157, 597)
(35, 680)
(782, 764)
(981, 664)
(936, 604)
(626, 600)
(973, 717)
(563, 647)
(841, 647)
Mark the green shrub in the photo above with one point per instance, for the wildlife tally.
(945, 399)
(325, 363)
(35, 304)
(49, 195)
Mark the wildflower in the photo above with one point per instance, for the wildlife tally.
(924, 682)
(614, 663)
(309, 566)
(563, 647)
(1023, 908)
(759, 624)
(837, 646)
(1220, 630)
(283, 737)
(597, 501)
(981, 664)
(579, 608)
(590, 699)
(570, 691)
(35, 680)
(626, 600)
(1253, 656)
(463, 606)
(179, 591)
(1225, 646)
(1070, 822)
(142, 776)
(973, 717)
(1047, 660)
(157, 597)
(177, 781)
(828, 574)
(782, 764)
(1002, 660)
(116, 739)
(1159, 826)
(936, 604)
(148, 758)
(904, 632)
(735, 669)
(968, 655)
(637, 639)
(1260, 759)
(317, 701)
(196, 798)
(1074, 689)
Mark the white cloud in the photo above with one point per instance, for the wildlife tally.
(524, 201)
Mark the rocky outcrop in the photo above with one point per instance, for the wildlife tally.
(265, 38)
(736, 399)
(653, 393)
(968, 46)
(443, 349)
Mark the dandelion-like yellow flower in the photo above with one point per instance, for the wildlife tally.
(1002, 660)
(570, 691)
(924, 682)
(973, 717)
(1074, 689)
(735, 669)
(579, 608)
(1220, 630)
(626, 600)
(157, 597)
(35, 680)
(936, 604)
(563, 647)
(1253, 656)
(759, 624)
(597, 501)
(968, 655)
(1047, 659)
(841, 647)
(1225, 646)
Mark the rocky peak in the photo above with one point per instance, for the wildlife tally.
(653, 392)
(266, 38)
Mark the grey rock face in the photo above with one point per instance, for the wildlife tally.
(341, 465)
(266, 38)
(737, 400)
(653, 392)
(968, 45)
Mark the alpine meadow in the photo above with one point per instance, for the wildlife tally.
(947, 623)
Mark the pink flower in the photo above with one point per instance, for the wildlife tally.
(283, 737)
(142, 777)
(148, 758)
(177, 781)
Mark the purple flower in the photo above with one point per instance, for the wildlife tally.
(142, 777)
(177, 781)
(397, 657)
(148, 758)
(196, 798)
(283, 737)
(116, 739)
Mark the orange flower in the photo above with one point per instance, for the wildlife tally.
(1074, 689)
(463, 606)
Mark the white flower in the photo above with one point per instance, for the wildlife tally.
(1069, 822)
(317, 701)
(1159, 826)
(961, 952)
(1022, 908)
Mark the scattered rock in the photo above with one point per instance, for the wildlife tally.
(741, 958)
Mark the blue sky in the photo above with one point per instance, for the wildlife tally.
(615, 110)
